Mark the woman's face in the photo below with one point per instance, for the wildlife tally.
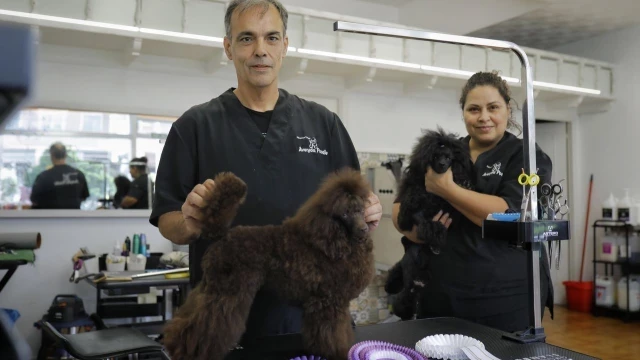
(486, 115)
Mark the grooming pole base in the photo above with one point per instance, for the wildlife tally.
(524, 232)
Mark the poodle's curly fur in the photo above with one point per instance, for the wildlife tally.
(440, 151)
(322, 257)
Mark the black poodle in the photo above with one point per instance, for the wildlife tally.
(440, 151)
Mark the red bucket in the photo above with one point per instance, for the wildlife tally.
(579, 295)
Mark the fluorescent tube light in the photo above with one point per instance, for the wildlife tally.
(566, 87)
(67, 20)
(359, 58)
(134, 29)
(181, 35)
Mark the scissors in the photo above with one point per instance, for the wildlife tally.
(524, 180)
(551, 201)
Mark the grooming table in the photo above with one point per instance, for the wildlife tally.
(408, 333)
(10, 266)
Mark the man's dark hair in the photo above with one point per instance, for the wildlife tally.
(243, 5)
(58, 151)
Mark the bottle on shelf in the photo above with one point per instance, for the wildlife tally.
(609, 209)
(136, 244)
(634, 293)
(605, 291)
(608, 247)
(627, 211)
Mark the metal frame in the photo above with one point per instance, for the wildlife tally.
(528, 119)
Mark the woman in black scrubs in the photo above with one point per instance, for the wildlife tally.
(474, 278)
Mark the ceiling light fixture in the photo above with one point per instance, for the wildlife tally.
(96, 24)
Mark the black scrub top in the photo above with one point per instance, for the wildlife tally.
(140, 191)
(481, 279)
(302, 143)
(61, 187)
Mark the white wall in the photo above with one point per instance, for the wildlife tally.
(605, 144)
(33, 287)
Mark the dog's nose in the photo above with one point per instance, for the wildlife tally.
(364, 228)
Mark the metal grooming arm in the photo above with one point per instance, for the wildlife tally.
(531, 233)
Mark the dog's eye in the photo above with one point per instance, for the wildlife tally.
(441, 145)
(345, 215)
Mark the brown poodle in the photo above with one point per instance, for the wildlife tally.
(322, 257)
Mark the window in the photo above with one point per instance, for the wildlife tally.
(101, 145)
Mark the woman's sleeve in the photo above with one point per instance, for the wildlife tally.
(510, 190)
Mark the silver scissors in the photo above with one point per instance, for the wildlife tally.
(553, 201)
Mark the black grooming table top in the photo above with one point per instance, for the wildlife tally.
(408, 333)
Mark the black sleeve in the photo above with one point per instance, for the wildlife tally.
(85, 187)
(342, 151)
(177, 170)
(138, 189)
(510, 190)
(37, 189)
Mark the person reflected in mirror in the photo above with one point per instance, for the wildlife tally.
(138, 195)
(481, 279)
(61, 186)
(123, 184)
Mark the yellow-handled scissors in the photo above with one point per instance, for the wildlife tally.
(524, 180)
(531, 180)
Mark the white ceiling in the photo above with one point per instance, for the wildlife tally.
(565, 21)
(542, 24)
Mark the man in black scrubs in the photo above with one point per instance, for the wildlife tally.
(281, 145)
(60, 187)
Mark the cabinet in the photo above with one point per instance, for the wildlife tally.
(607, 259)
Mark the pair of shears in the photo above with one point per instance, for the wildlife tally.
(551, 201)
(531, 180)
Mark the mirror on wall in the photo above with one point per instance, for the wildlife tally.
(67, 159)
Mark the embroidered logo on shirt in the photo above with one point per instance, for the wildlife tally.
(67, 180)
(495, 169)
(313, 146)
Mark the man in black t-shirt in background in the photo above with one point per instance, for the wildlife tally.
(60, 187)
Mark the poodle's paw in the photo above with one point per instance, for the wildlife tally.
(434, 235)
(395, 281)
(404, 304)
(229, 190)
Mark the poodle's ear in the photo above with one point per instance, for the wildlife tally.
(330, 237)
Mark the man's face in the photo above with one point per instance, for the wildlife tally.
(257, 45)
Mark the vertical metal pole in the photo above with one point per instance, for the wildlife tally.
(528, 120)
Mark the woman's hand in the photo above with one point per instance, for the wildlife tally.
(439, 184)
(443, 218)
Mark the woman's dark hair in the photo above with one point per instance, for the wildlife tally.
(122, 189)
(139, 163)
(490, 79)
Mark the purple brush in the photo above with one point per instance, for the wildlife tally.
(312, 357)
(366, 350)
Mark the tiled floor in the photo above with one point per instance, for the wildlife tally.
(602, 337)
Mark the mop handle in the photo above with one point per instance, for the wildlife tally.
(586, 226)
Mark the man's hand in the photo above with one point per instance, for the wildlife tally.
(193, 207)
(373, 211)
